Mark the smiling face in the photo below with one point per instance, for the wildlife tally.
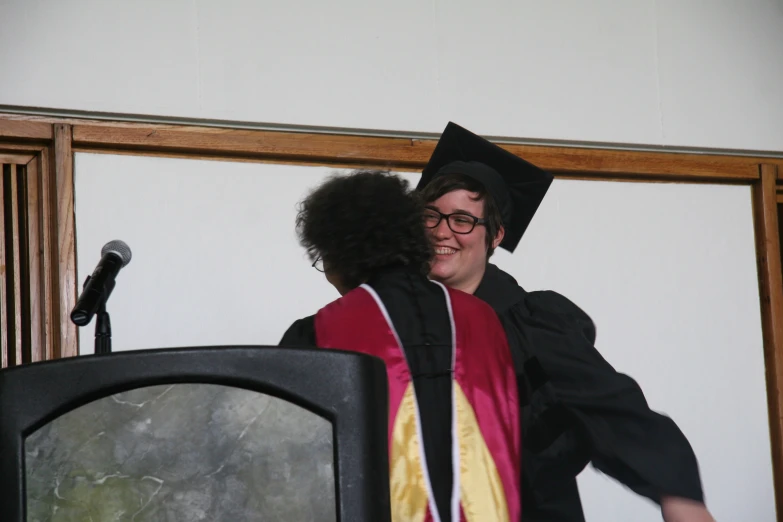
(460, 259)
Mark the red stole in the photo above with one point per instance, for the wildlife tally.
(485, 411)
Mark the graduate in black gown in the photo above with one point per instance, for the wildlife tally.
(576, 409)
(454, 441)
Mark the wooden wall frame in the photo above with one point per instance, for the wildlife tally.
(42, 153)
(770, 272)
(53, 141)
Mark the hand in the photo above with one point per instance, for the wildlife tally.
(677, 509)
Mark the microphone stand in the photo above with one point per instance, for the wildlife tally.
(103, 322)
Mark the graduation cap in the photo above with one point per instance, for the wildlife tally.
(518, 187)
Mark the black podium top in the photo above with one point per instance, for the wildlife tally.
(346, 388)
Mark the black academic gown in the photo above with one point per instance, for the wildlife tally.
(578, 409)
(417, 308)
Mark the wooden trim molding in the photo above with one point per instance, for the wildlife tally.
(64, 239)
(399, 153)
(5, 338)
(25, 130)
(383, 152)
(13, 266)
(15, 158)
(50, 335)
(771, 294)
(37, 297)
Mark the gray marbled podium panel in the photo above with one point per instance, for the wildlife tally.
(186, 452)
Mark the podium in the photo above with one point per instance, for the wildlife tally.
(214, 433)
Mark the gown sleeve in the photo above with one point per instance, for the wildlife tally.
(604, 409)
(300, 334)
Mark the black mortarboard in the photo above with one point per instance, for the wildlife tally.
(518, 187)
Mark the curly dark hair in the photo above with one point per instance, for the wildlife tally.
(442, 185)
(364, 222)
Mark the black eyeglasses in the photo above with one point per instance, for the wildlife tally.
(318, 264)
(459, 222)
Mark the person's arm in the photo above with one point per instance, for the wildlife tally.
(300, 334)
(640, 448)
(675, 509)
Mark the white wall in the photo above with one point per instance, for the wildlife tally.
(657, 72)
(673, 290)
(667, 272)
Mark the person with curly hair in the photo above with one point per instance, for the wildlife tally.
(575, 408)
(453, 426)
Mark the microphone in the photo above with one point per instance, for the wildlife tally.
(114, 256)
